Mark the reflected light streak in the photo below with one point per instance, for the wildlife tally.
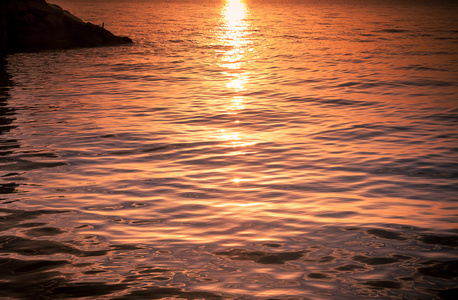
(235, 31)
(235, 13)
(236, 84)
(235, 38)
(237, 104)
(230, 136)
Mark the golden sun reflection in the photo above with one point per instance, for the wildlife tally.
(234, 36)
(237, 104)
(235, 32)
(235, 11)
(236, 83)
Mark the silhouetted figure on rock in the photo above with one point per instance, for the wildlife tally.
(34, 25)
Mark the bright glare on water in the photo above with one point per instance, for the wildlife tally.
(257, 149)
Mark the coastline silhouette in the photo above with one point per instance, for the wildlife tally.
(35, 25)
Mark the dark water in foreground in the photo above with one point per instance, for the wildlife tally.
(239, 150)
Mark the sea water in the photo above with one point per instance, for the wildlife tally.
(257, 149)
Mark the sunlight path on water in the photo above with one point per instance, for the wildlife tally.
(235, 38)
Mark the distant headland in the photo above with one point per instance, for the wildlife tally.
(35, 25)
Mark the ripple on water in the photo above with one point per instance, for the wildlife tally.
(387, 261)
(306, 153)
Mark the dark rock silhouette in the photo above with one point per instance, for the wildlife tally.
(34, 25)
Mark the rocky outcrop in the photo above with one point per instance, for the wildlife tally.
(34, 25)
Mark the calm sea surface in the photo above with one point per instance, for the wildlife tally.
(238, 150)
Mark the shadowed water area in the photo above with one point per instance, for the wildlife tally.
(237, 150)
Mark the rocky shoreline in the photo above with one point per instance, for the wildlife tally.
(35, 25)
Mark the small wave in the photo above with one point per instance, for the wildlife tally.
(332, 102)
(393, 30)
(420, 68)
(260, 256)
(397, 83)
(416, 173)
(25, 165)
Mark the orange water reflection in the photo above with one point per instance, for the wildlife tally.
(236, 41)
(234, 37)
(234, 15)
(165, 165)
(302, 165)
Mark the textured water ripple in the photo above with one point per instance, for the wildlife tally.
(308, 151)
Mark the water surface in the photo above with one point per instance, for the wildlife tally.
(238, 150)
